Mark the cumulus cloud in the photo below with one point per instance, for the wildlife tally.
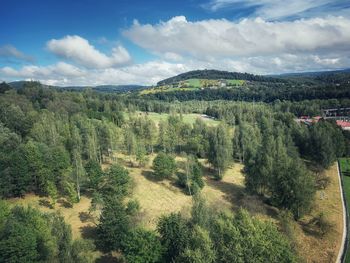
(251, 45)
(58, 73)
(80, 51)
(63, 74)
(276, 9)
(249, 37)
(10, 52)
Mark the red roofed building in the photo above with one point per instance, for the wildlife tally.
(345, 125)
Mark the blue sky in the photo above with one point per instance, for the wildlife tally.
(141, 42)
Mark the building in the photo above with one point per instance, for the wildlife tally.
(345, 125)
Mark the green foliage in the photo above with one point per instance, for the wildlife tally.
(174, 235)
(277, 172)
(191, 180)
(114, 224)
(220, 149)
(116, 182)
(94, 174)
(141, 246)
(326, 143)
(245, 239)
(164, 166)
(200, 248)
(27, 235)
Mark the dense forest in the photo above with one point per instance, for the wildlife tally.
(54, 143)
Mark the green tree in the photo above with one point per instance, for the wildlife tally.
(244, 239)
(200, 248)
(174, 235)
(142, 246)
(164, 166)
(114, 226)
(220, 149)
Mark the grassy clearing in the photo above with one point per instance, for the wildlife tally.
(194, 83)
(235, 82)
(163, 197)
(189, 118)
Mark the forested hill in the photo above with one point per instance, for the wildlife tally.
(215, 74)
(101, 88)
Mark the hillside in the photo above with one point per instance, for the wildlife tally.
(214, 74)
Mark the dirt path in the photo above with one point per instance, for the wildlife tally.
(342, 250)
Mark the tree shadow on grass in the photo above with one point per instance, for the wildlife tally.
(239, 198)
(233, 193)
(86, 217)
(89, 232)
(46, 203)
(150, 176)
(310, 229)
(64, 203)
(108, 258)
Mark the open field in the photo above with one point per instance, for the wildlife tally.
(194, 83)
(189, 118)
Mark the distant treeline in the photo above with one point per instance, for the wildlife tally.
(258, 91)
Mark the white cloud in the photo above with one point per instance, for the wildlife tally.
(251, 45)
(276, 9)
(63, 74)
(213, 39)
(10, 52)
(80, 51)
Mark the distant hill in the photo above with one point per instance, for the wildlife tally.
(102, 88)
(326, 77)
(106, 88)
(215, 74)
(313, 73)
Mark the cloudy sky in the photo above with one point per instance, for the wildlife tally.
(93, 42)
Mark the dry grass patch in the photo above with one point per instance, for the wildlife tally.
(77, 216)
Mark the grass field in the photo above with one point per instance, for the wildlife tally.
(237, 82)
(345, 168)
(196, 83)
(189, 118)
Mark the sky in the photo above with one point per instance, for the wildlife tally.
(99, 42)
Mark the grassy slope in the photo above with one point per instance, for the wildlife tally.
(312, 246)
(345, 167)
